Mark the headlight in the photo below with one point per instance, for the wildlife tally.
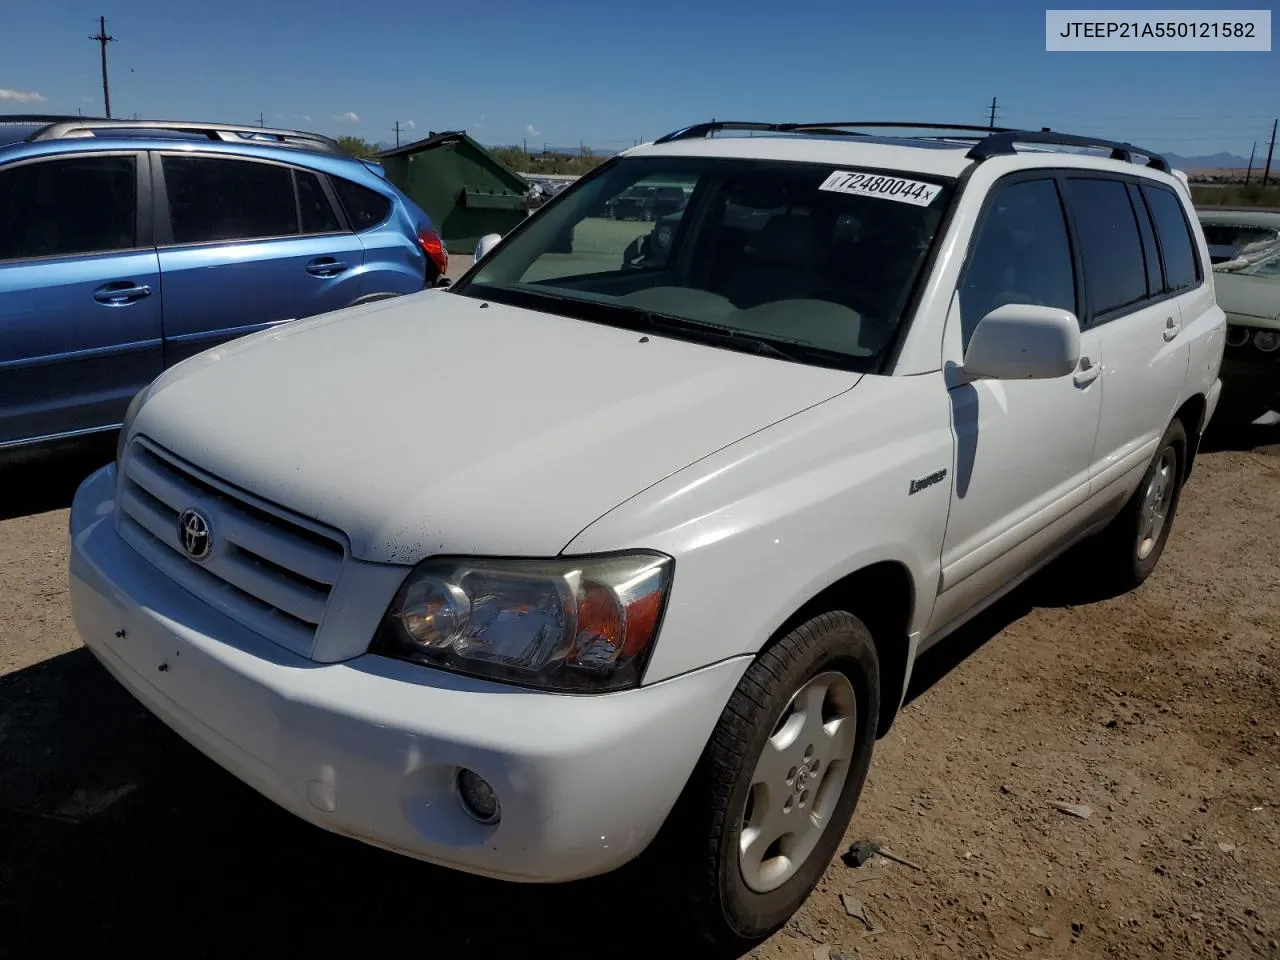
(577, 624)
(130, 413)
(1268, 341)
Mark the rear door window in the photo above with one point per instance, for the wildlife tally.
(1115, 273)
(68, 206)
(365, 208)
(313, 205)
(1150, 249)
(1175, 238)
(214, 199)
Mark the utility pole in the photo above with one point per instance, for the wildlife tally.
(992, 122)
(261, 122)
(1248, 174)
(1266, 174)
(397, 129)
(104, 39)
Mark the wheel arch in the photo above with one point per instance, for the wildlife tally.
(883, 596)
(1191, 413)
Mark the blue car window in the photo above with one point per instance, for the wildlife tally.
(215, 199)
(317, 213)
(365, 208)
(67, 206)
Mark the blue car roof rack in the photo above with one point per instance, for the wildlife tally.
(221, 132)
(992, 142)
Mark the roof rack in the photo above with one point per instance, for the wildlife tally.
(1005, 143)
(226, 133)
(992, 142)
(715, 126)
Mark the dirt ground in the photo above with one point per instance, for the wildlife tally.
(1158, 710)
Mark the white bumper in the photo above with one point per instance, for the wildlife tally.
(369, 748)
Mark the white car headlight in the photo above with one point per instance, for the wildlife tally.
(577, 624)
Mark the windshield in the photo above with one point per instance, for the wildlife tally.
(796, 254)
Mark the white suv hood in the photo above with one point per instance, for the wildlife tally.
(434, 424)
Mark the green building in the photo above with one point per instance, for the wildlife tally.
(465, 190)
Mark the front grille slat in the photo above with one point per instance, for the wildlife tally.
(272, 590)
(272, 572)
(218, 594)
(299, 555)
(151, 517)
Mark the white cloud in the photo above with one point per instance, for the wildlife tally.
(409, 125)
(529, 131)
(86, 99)
(21, 96)
(349, 117)
(303, 116)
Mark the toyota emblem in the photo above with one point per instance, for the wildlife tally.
(193, 531)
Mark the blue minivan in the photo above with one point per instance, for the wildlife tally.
(127, 246)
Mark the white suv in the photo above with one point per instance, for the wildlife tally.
(635, 533)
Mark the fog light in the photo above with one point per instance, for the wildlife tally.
(477, 797)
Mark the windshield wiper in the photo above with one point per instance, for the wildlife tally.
(711, 332)
(642, 318)
(789, 350)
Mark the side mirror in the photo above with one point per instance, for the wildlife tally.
(487, 243)
(1021, 341)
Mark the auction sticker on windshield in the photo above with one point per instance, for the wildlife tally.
(885, 187)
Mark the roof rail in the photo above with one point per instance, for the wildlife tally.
(991, 141)
(1005, 142)
(715, 126)
(227, 133)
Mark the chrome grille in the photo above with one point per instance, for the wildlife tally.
(268, 570)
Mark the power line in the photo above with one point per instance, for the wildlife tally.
(103, 39)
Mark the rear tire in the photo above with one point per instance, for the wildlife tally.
(771, 797)
(1127, 551)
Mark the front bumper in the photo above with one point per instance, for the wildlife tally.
(369, 748)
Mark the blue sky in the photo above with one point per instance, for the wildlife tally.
(564, 71)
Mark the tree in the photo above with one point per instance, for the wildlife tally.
(357, 147)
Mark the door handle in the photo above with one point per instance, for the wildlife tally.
(121, 293)
(1171, 329)
(1086, 373)
(326, 267)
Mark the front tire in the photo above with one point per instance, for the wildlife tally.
(773, 793)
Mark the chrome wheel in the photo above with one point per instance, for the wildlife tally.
(1155, 503)
(797, 781)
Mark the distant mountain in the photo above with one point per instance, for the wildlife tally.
(1215, 161)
